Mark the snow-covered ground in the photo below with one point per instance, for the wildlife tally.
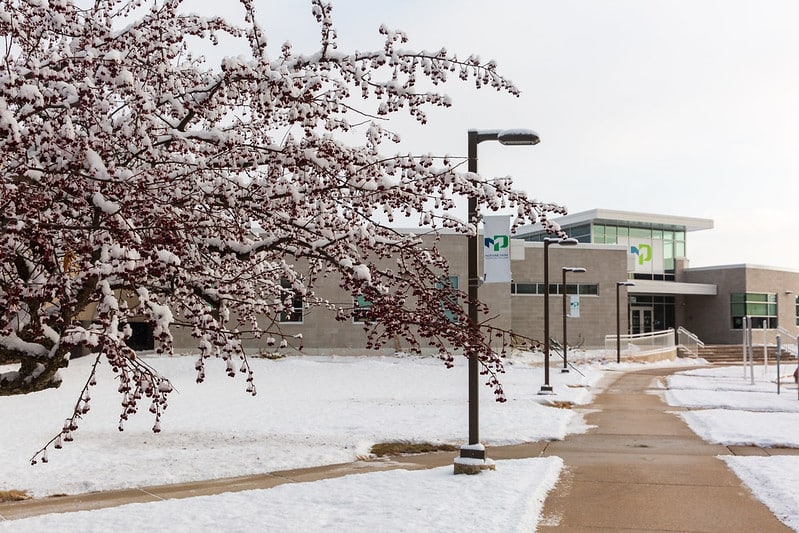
(321, 410)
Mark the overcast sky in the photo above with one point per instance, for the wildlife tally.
(673, 107)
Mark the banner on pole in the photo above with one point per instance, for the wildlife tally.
(496, 249)
(574, 306)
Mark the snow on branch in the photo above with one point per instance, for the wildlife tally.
(139, 184)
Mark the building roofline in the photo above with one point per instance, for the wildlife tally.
(612, 215)
(741, 266)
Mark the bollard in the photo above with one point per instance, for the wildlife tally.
(779, 349)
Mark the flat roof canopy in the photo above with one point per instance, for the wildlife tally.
(611, 216)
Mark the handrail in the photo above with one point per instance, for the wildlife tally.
(642, 343)
(689, 341)
(789, 347)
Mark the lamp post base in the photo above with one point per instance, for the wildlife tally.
(546, 389)
(473, 460)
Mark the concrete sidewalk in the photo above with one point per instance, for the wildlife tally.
(640, 469)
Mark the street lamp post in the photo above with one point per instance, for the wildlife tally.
(566, 316)
(506, 137)
(546, 388)
(619, 284)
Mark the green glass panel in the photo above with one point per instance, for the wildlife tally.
(623, 231)
(738, 309)
(657, 234)
(668, 235)
(641, 233)
(679, 249)
(737, 297)
(756, 297)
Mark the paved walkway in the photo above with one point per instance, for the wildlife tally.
(643, 469)
(640, 469)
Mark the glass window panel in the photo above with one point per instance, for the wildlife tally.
(571, 289)
(610, 231)
(623, 231)
(657, 234)
(756, 297)
(668, 235)
(679, 236)
(641, 233)
(737, 297)
(589, 289)
(679, 249)
(738, 309)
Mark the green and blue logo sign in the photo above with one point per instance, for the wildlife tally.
(497, 242)
(643, 251)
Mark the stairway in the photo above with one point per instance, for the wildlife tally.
(733, 353)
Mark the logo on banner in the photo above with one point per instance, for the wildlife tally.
(643, 251)
(497, 243)
(574, 306)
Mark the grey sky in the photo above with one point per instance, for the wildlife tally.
(666, 106)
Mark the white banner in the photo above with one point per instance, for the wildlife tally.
(496, 249)
(574, 306)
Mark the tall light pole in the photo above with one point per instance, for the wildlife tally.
(619, 284)
(546, 388)
(507, 137)
(566, 316)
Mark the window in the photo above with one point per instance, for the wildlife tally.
(797, 310)
(141, 336)
(449, 285)
(761, 307)
(591, 289)
(294, 313)
(362, 310)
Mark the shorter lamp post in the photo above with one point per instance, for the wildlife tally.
(619, 284)
(566, 316)
(546, 388)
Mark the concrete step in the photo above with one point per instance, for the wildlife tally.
(733, 353)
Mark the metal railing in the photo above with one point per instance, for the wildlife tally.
(689, 342)
(642, 344)
(790, 342)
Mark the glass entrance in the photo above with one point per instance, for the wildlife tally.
(640, 320)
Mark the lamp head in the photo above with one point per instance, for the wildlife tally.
(574, 269)
(571, 241)
(518, 137)
(625, 284)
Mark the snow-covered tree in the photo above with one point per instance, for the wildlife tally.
(139, 181)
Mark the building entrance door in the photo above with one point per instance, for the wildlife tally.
(640, 320)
